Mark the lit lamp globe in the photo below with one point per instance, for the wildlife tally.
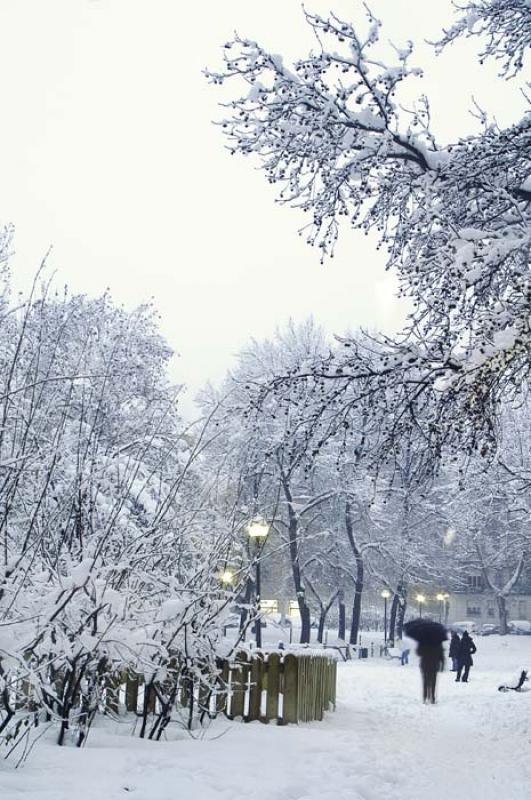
(420, 598)
(386, 594)
(258, 529)
(227, 577)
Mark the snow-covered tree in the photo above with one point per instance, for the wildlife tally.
(489, 514)
(505, 25)
(454, 217)
(272, 447)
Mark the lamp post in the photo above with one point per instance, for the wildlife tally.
(420, 600)
(386, 594)
(257, 530)
(442, 597)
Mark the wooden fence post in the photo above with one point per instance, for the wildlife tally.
(273, 687)
(222, 688)
(333, 684)
(308, 691)
(290, 698)
(131, 692)
(303, 689)
(255, 689)
(59, 686)
(239, 685)
(328, 684)
(185, 688)
(150, 698)
(320, 693)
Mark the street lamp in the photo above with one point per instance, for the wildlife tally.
(420, 600)
(386, 594)
(442, 597)
(257, 530)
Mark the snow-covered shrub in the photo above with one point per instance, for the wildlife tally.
(105, 563)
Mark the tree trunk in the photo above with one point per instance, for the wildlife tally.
(323, 613)
(499, 589)
(356, 606)
(358, 590)
(320, 629)
(402, 605)
(305, 621)
(342, 614)
(392, 619)
(293, 534)
(502, 613)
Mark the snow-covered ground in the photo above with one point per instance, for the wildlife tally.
(381, 744)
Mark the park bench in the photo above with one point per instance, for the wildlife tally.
(343, 650)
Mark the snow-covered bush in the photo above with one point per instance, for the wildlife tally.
(105, 563)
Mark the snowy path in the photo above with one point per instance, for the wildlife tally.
(381, 744)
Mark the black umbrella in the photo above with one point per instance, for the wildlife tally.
(425, 631)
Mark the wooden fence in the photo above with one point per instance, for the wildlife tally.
(269, 687)
(282, 688)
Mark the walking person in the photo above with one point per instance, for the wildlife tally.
(404, 646)
(453, 652)
(466, 649)
(431, 662)
(430, 636)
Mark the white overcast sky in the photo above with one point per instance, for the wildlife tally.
(107, 152)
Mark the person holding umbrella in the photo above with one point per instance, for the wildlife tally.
(430, 636)
(464, 658)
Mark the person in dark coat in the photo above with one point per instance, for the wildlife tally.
(453, 652)
(431, 662)
(466, 649)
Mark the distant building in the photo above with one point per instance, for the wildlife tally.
(481, 607)
(476, 602)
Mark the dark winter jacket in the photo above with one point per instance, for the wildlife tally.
(466, 648)
(455, 643)
(431, 657)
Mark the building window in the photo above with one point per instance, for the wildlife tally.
(491, 612)
(522, 610)
(474, 582)
(269, 606)
(473, 611)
